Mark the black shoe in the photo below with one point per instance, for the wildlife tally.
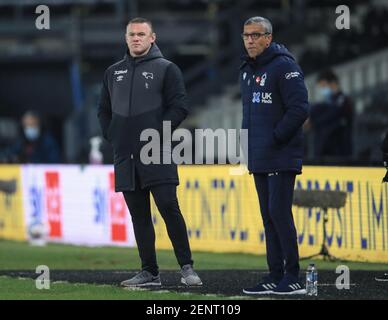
(265, 286)
(289, 285)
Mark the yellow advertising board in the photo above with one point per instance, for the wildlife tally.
(222, 212)
(12, 224)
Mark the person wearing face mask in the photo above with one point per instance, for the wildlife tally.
(331, 118)
(36, 145)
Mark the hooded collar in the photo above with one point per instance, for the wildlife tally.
(153, 53)
(273, 51)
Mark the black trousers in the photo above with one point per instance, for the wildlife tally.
(275, 193)
(138, 203)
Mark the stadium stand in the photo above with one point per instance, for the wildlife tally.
(202, 37)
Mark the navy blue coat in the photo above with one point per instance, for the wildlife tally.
(275, 106)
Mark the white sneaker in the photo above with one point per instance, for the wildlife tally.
(384, 277)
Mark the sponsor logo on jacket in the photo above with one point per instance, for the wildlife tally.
(148, 75)
(290, 75)
(262, 97)
(262, 79)
(120, 72)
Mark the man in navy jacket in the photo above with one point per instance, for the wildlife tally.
(275, 106)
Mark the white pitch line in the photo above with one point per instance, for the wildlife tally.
(334, 285)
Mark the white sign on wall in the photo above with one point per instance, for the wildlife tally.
(77, 204)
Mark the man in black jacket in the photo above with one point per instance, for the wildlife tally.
(141, 92)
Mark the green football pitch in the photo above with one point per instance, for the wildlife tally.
(16, 257)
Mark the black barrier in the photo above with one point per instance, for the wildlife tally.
(324, 199)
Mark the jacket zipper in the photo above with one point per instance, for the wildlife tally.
(130, 95)
(132, 163)
(131, 89)
(251, 84)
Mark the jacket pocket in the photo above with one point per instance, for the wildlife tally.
(124, 173)
(111, 129)
(109, 132)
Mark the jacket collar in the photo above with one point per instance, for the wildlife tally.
(153, 53)
(270, 53)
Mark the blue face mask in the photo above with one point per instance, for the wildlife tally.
(324, 93)
(32, 133)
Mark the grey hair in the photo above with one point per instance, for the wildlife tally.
(262, 21)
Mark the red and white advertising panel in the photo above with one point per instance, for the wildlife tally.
(77, 204)
(118, 213)
(53, 199)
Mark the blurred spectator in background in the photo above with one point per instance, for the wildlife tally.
(36, 144)
(331, 119)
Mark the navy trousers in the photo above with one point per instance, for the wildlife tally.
(275, 193)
